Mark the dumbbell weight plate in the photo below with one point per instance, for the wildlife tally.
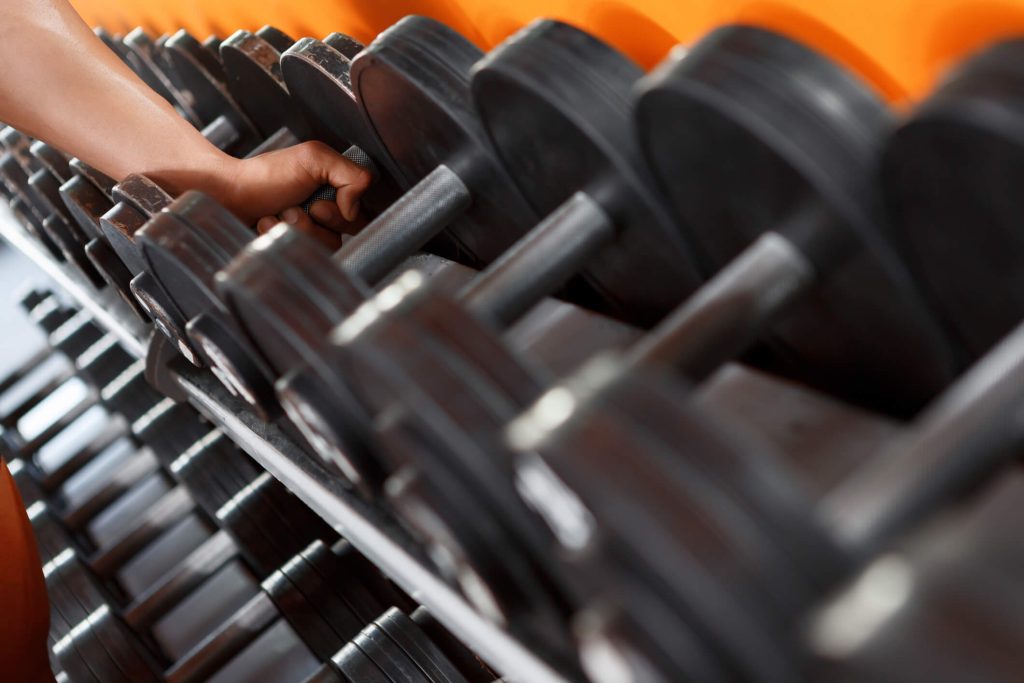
(253, 68)
(54, 160)
(705, 530)
(100, 180)
(189, 63)
(115, 640)
(356, 666)
(318, 76)
(950, 181)
(408, 636)
(313, 631)
(388, 657)
(477, 555)
(139, 52)
(81, 636)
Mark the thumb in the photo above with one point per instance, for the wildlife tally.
(327, 166)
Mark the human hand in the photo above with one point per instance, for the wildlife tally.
(270, 188)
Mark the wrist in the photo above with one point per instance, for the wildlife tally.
(213, 173)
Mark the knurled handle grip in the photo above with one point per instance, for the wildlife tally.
(408, 224)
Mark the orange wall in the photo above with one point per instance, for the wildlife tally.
(901, 45)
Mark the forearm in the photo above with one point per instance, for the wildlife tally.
(59, 83)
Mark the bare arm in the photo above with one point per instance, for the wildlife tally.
(60, 83)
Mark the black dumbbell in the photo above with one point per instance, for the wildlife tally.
(317, 76)
(806, 256)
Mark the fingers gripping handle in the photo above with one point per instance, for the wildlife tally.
(408, 224)
(329, 193)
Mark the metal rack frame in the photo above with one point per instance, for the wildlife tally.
(368, 528)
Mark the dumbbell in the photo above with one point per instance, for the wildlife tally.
(579, 428)
(254, 71)
(940, 607)
(394, 649)
(316, 74)
(807, 255)
(326, 594)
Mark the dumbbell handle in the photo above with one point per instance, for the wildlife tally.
(541, 262)
(729, 312)
(408, 224)
(968, 434)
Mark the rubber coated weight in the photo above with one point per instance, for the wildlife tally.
(101, 181)
(55, 161)
(275, 37)
(407, 635)
(185, 247)
(356, 666)
(197, 73)
(287, 294)
(317, 76)
(253, 71)
(949, 175)
(733, 614)
(743, 113)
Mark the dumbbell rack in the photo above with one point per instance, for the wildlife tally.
(371, 531)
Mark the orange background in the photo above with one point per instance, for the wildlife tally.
(900, 45)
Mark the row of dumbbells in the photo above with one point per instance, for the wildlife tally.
(606, 514)
(170, 556)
